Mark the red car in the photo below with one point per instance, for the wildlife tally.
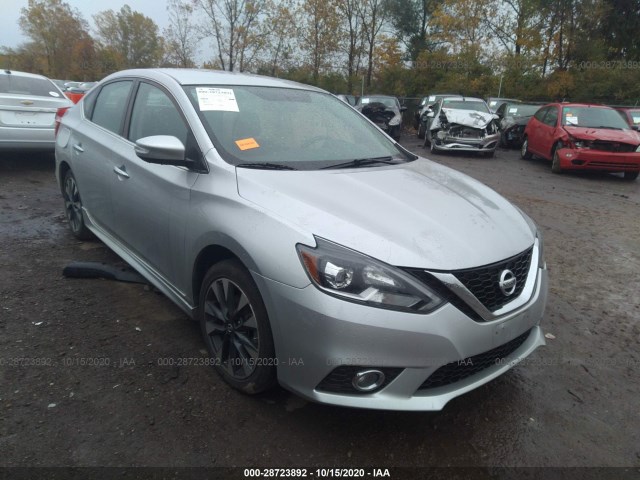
(583, 137)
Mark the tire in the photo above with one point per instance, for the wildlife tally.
(239, 340)
(421, 130)
(490, 154)
(631, 176)
(555, 161)
(524, 150)
(73, 207)
(432, 147)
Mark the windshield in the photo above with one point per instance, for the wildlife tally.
(592, 117)
(521, 110)
(386, 101)
(19, 85)
(301, 129)
(477, 105)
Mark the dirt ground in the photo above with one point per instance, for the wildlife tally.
(83, 384)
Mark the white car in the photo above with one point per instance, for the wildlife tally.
(28, 107)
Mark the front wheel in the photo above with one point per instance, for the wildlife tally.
(235, 327)
(631, 175)
(421, 130)
(524, 150)
(555, 162)
(73, 207)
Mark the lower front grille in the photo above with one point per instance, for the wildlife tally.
(455, 371)
(613, 165)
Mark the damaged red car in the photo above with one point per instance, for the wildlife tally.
(583, 137)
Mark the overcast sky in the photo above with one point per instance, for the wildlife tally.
(11, 36)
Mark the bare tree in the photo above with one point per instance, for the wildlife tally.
(181, 36)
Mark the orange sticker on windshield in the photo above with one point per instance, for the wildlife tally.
(247, 143)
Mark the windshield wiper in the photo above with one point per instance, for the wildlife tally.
(363, 162)
(266, 166)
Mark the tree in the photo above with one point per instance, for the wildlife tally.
(349, 10)
(234, 26)
(319, 34)
(54, 29)
(411, 21)
(279, 34)
(373, 15)
(181, 39)
(130, 37)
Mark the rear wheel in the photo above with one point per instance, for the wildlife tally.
(555, 162)
(631, 175)
(73, 207)
(235, 328)
(421, 130)
(524, 150)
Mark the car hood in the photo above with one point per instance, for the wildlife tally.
(468, 118)
(418, 214)
(622, 136)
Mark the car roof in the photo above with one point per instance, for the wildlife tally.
(193, 76)
(16, 73)
(464, 99)
(589, 105)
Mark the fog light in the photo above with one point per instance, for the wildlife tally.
(368, 380)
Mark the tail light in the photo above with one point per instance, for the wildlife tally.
(59, 114)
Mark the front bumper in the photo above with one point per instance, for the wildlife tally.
(487, 143)
(585, 159)
(315, 333)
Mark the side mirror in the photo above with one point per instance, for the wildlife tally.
(162, 150)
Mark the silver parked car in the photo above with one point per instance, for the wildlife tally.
(463, 124)
(28, 107)
(321, 255)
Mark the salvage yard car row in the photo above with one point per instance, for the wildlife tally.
(572, 136)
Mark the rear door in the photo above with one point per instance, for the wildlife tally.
(534, 131)
(548, 130)
(150, 201)
(95, 144)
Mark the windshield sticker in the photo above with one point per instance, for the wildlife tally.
(432, 98)
(365, 100)
(570, 119)
(513, 110)
(492, 103)
(54, 94)
(217, 99)
(247, 144)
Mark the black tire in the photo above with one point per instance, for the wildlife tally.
(421, 130)
(631, 176)
(239, 340)
(524, 149)
(73, 207)
(490, 154)
(555, 160)
(432, 147)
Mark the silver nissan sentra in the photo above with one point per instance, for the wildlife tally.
(315, 251)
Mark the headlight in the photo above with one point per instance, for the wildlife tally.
(355, 277)
(395, 120)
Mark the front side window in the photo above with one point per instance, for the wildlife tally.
(539, 115)
(155, 114)
(111, 104)
(299, 128)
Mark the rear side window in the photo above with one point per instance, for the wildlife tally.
(19, 85)
(541, 113)
(111, 105)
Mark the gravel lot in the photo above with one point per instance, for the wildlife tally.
(83, 385)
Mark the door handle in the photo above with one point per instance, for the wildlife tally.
(121, 171)
(78, 147)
